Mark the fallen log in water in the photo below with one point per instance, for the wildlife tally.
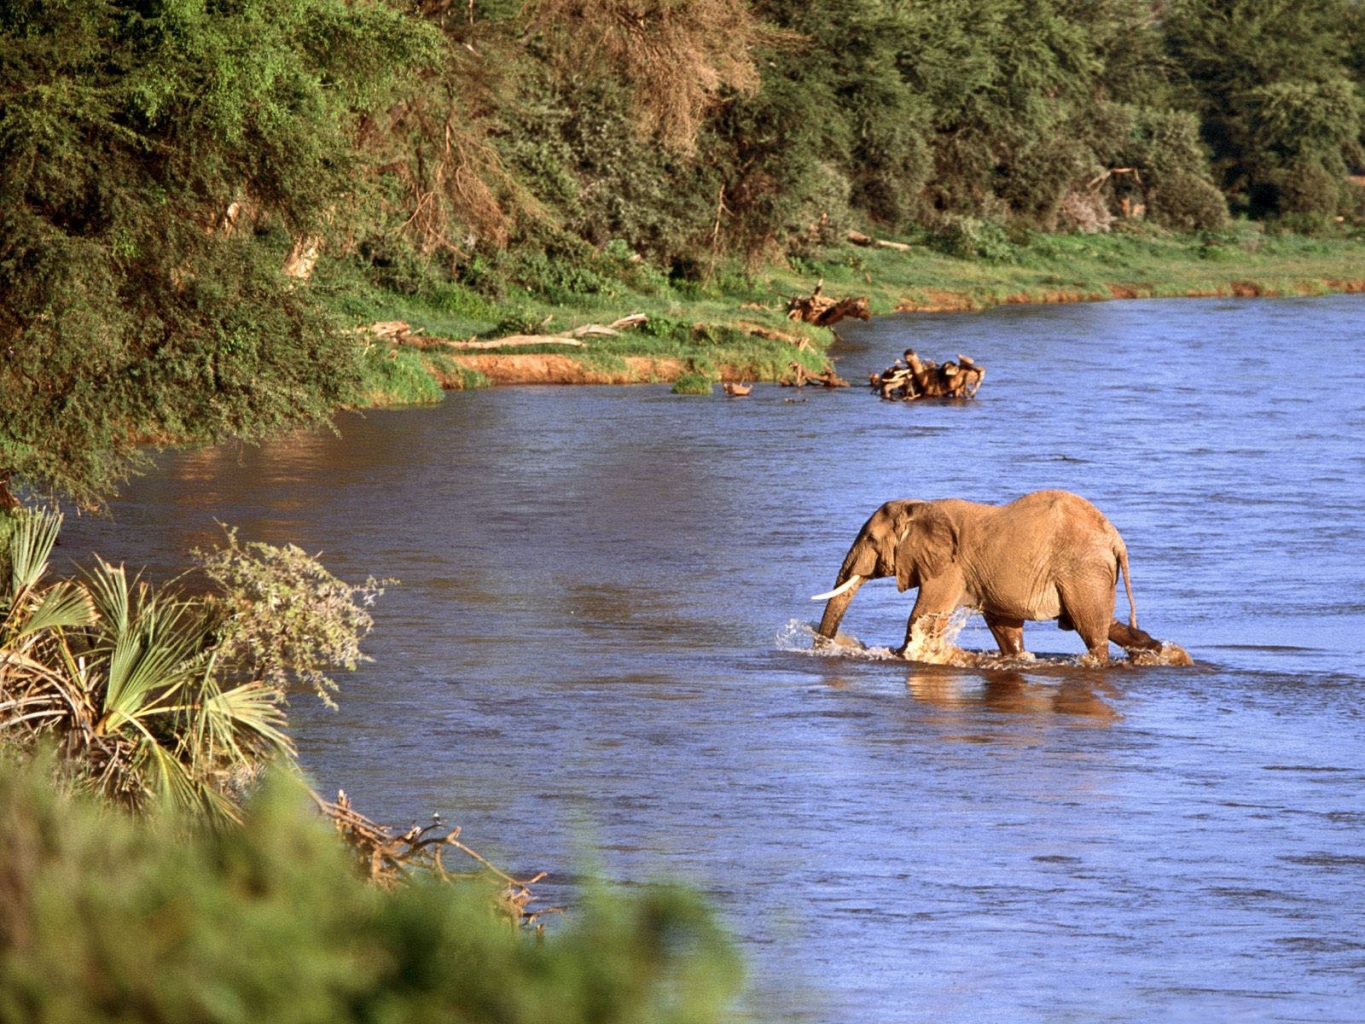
(911, 378)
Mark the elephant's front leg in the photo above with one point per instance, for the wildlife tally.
(1008, 633)
(929, 619)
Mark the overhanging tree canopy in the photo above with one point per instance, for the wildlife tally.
(143, 145)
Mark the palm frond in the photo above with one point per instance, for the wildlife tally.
(30, 548)
(151, 645)
(112, 594)
(251, 710)
(66, 604)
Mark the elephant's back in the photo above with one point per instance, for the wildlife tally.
(1071, 519)
(1061, 535)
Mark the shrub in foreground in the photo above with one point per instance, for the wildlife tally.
(151, 694)
(108, 917)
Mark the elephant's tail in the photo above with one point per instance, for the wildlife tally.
(1121, 553)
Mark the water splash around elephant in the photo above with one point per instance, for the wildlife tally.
(1170, 654)
(801, 638)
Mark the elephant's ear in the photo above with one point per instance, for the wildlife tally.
(928, 546)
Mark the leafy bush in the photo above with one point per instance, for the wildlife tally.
(143, 148)
(969, 238)
(692, 383)
(284, 619)
(1277, 90)
(106, 918)
(156, 697)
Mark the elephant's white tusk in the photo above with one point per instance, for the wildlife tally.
(852, 582)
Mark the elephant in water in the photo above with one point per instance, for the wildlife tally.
(1047, 555)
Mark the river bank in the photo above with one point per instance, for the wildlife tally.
(735, 326)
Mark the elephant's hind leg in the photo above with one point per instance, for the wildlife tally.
(1008, 633)
(1089, 620)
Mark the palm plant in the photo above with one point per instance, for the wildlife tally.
(130, 682)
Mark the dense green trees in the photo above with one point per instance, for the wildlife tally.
(1277, 86)
(159, 158)
(142, 145)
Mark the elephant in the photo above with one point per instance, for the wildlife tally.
(1048, 555)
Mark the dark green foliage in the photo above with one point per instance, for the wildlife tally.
(575, 147)
(1277, 88)
(106, 918)
(995, 110)
(1165, 146)
(144, 145)
(969, 238)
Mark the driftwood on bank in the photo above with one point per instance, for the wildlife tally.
(858, 238)
(825, 311)
(386, 858)
(911, 377)
(399, 332)
(514, 341)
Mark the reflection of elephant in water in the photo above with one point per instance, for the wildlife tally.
(1048, 555)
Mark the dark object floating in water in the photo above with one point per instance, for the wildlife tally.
(910, 377)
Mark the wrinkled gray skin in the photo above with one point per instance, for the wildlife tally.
(1048, 555)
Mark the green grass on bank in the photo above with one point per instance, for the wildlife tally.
(715, 326)
(1139, 262)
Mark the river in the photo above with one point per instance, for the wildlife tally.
(599, 659)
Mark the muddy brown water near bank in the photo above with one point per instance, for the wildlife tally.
(602, 642)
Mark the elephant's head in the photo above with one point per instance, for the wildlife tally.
(911, 540)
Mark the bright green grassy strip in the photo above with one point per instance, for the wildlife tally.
(692, 324)
(450, 312)
(1070, 267)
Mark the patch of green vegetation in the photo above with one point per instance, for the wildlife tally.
(397, 376)
(109, 918)
(453, 376)
(1132, 260)
(693, 383)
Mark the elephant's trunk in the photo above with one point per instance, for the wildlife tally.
(839, 599)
